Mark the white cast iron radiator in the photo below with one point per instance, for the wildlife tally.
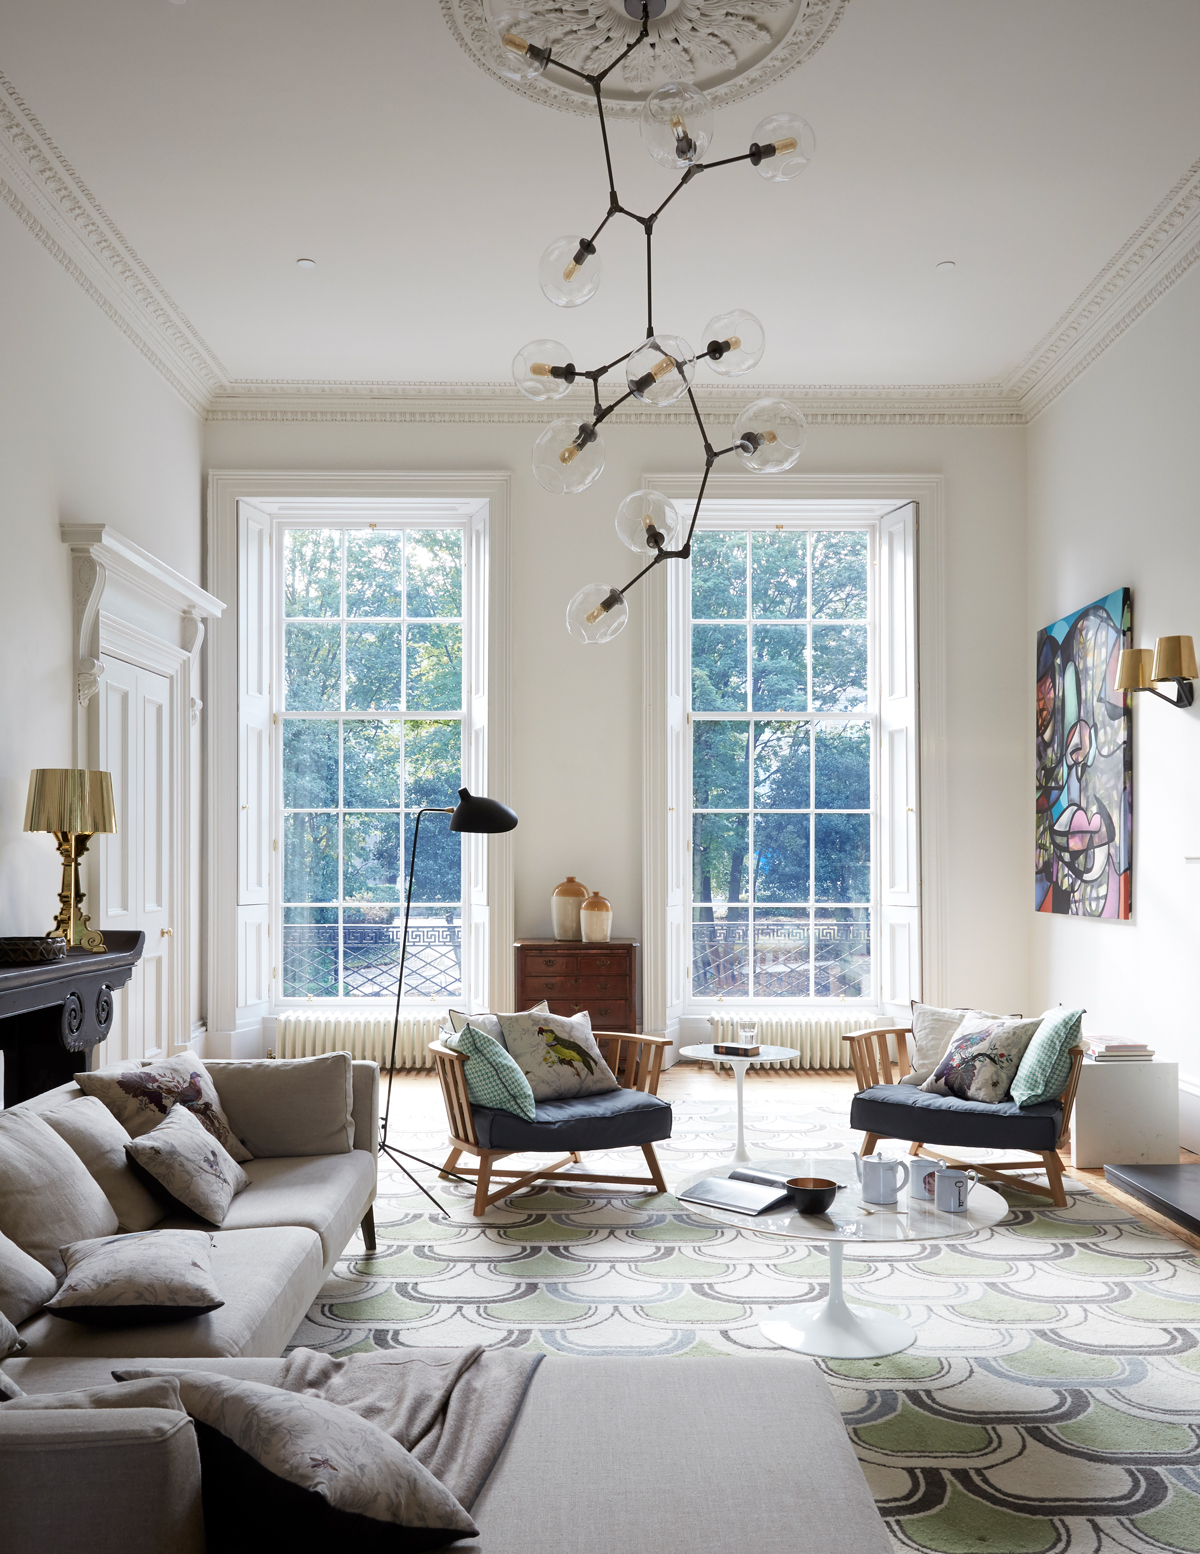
(301, 1034)
(816, 1043)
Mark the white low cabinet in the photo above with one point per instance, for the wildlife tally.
(1126, 1114)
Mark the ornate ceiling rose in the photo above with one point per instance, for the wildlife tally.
(731, 49)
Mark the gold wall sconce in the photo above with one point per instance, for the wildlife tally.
(1173, 659)
(73, 805)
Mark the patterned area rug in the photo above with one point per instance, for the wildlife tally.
(1051, 1402)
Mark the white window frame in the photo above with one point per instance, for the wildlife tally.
(908, 923)
(244, 907)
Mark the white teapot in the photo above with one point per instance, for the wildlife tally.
(878, 1174)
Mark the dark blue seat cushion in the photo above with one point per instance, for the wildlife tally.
(908, 1112)
(608, 1121)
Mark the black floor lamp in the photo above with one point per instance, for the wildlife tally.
(471, 814)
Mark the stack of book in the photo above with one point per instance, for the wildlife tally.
(1122, 1052)
(736, 1049)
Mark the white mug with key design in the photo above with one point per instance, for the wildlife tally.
(952, 1187)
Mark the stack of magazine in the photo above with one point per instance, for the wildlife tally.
(744, 1191)
(1123, 1052)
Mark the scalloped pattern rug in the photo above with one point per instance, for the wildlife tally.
(1051, 1402)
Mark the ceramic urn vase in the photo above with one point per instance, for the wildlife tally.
(595, 919)
(565, 902)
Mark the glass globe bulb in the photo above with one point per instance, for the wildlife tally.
(785, 145)
(520, 49)
(677, 125)
(645, 513)
(543, 369)
(661, 370)
(770, 435)
(733, 343)
(569, 272)
(597, 613)
(568, 456)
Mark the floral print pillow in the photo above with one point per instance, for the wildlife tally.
(182, 1159)
(130, 1280)
(139, 1098)
(557, 1055)
(983, 1059)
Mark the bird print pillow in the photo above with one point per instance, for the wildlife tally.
(139, 1098)
(558, 1056)
(185, 1167)
(983, 1059)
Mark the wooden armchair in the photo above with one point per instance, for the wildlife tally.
(1040, 1130)
(637, 1063)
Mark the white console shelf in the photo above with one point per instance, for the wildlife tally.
(1126, 1114)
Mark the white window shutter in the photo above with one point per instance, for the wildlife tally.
(255, 810)
(678, 792)
(899, 838)
(476, 916)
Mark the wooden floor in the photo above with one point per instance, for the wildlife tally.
(699, 1081)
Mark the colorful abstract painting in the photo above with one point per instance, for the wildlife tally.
(1084, 763)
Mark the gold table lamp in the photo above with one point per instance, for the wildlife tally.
(74, 805)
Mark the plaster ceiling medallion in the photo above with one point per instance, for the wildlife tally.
(730, 49)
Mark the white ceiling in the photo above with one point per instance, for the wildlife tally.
(1024, 139)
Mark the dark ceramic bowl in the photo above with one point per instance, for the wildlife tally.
(27, 951)
(811, 1194)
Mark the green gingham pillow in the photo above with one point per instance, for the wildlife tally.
(493, 1078)
(1043, 1073)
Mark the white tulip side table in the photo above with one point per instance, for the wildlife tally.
(704, 1053)
(834, 1329)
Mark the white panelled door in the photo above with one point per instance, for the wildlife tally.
(136, 889)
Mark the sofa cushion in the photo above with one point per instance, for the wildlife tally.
(130, 1280)
(267, 1279)
(983, 1059)
(99, 1140)
(609, 1121)
(558, 1055)
(25, 1284)
(188, 1164)
(905, 1112)
(328, 1194)
(146, 1392)
(139, 1098)
(49, 1200)
(11, 1341)
(933, 1030)
(493, 1078)
(489, 1024)
(289, 1106)
(1046, 1066)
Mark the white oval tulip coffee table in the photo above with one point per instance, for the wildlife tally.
(703, 1053)
(834, 1329)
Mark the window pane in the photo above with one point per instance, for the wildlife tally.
(310, 858)
(843, 762)
(779, 576)
(839, 576)
(719, 668)
(299, 915)
(720, 958)
(374, 668)
(780, 668)
(781, 940)
(375, 572)
(372, 866)
(312, 565)
(781, 857)
(371, 951)
(312, 668)
(310, 763)
(434, 668)
(432, 764)
(719, 847)
(843, 868)
(438, 875)
(781, 765)
(839, 668)
(435, 572)
(373, 752)
(310, 959)
(718, 576)
(843, 952)
(433, 968)
(720, 765)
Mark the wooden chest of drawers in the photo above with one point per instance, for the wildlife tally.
(571, 976)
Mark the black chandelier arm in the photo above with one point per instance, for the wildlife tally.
(598, 79)
(649, 281)
(708, 447)
(608, 409)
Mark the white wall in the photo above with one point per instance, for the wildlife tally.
(577, 734)
(89, 433)
(1114, 499)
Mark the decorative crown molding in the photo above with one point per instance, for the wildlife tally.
(731, 49)
(49, 198)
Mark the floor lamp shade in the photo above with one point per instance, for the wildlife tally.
(70, 802)
(475, 814)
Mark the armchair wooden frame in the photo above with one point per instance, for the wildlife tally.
(635, 1060)
(873, 1065)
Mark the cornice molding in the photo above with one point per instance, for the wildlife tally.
(49, 198)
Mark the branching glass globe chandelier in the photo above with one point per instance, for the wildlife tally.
(769, 434)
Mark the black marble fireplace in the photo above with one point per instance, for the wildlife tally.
(53, 1014)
